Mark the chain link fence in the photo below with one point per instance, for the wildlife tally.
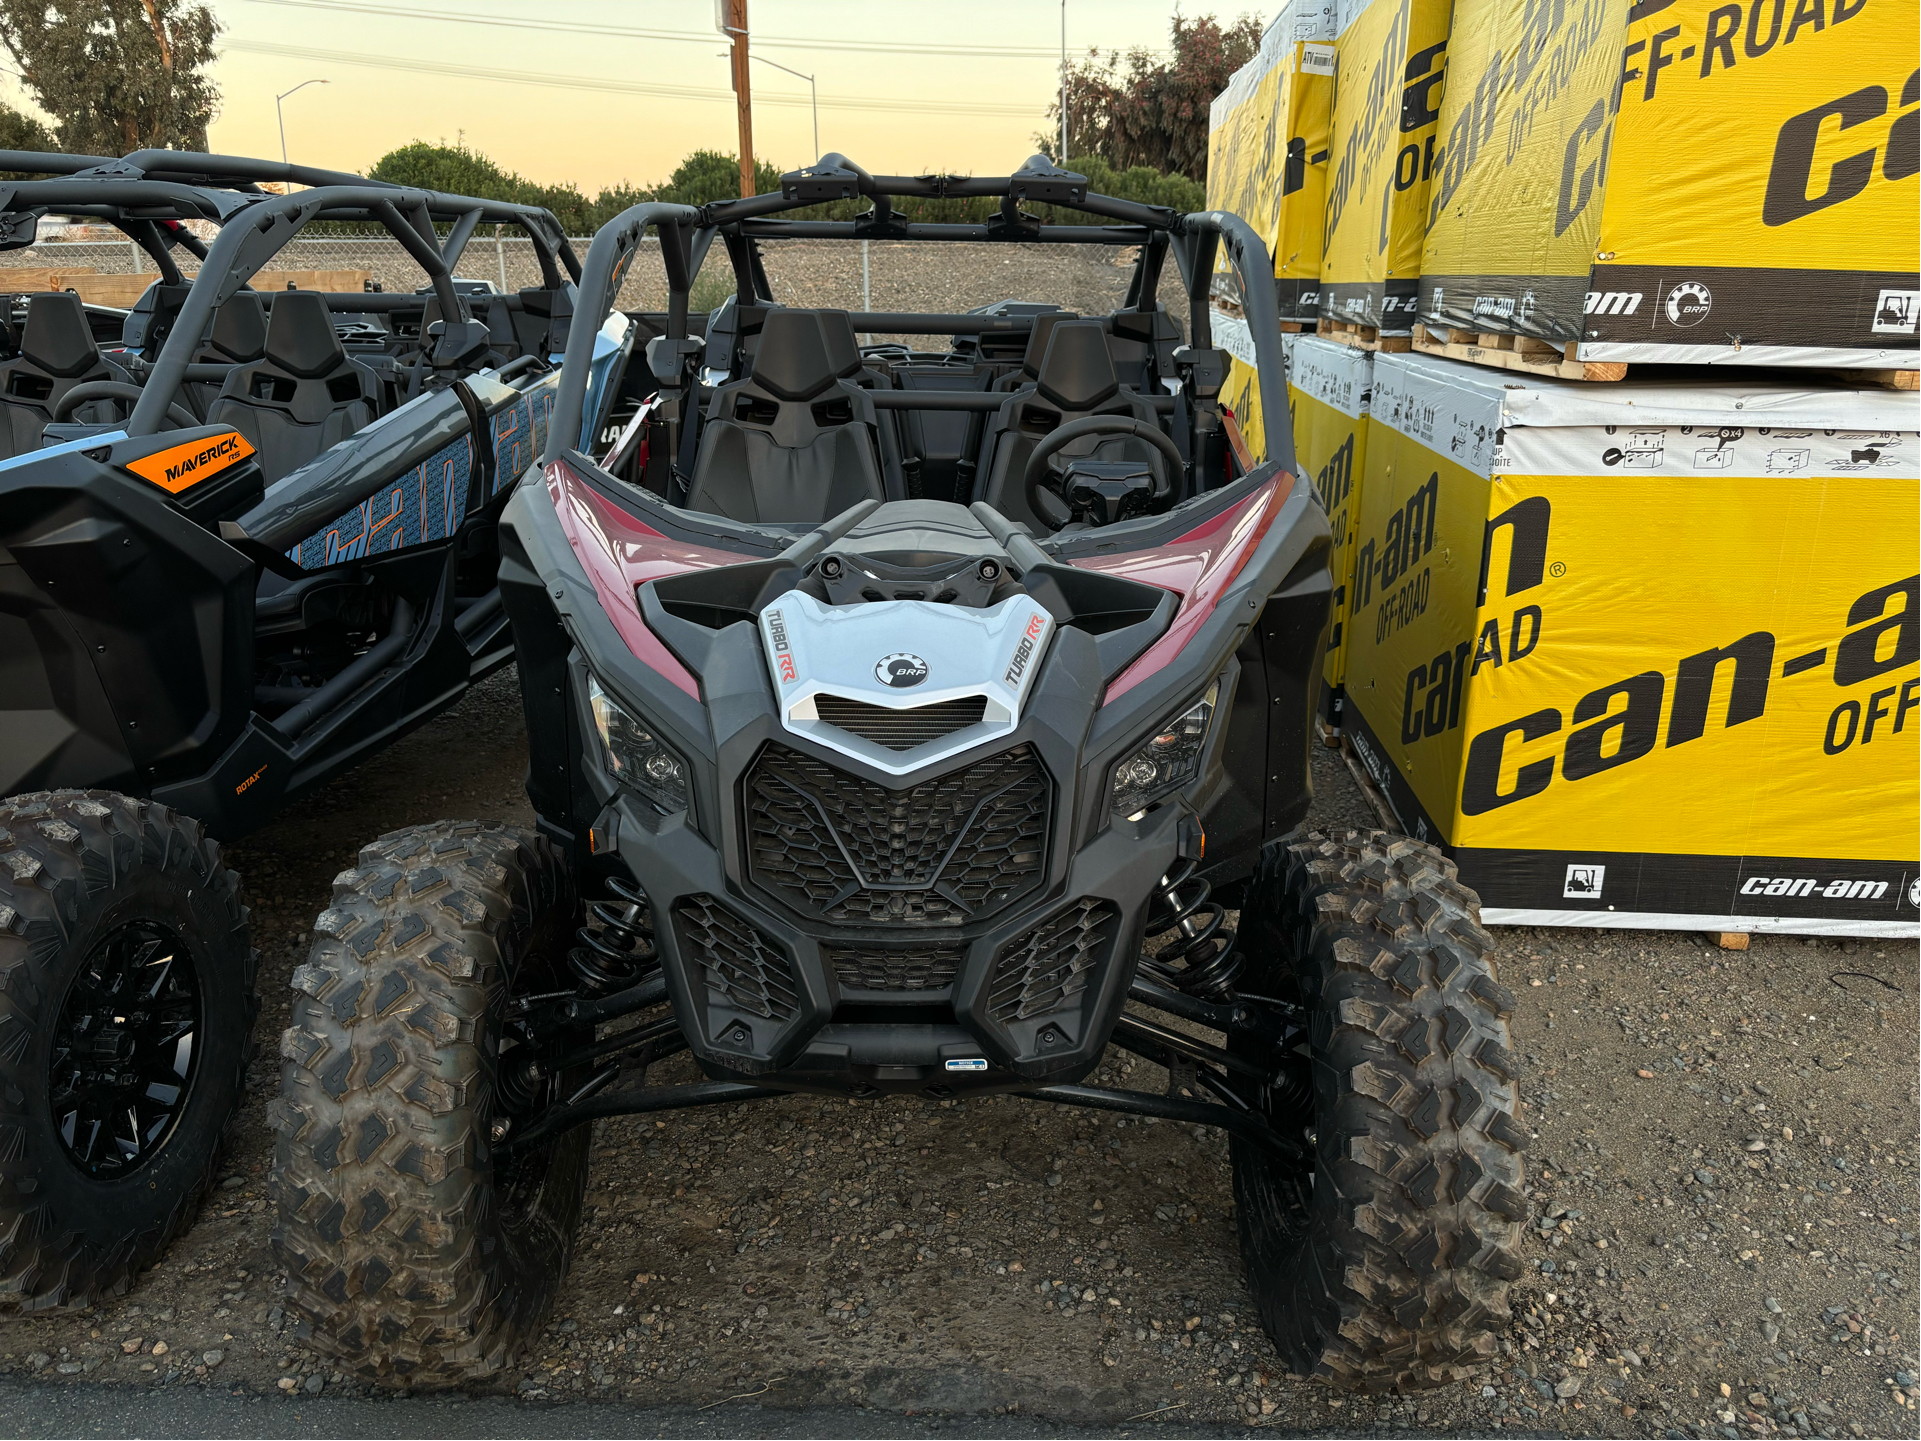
(881, 275)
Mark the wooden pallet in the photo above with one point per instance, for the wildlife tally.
(1521, 353)
(1875, 379)
(1362, 337)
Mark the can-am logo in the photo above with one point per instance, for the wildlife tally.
(1837, 890)
(1689, 303)
(900, 670)
(1611, 302)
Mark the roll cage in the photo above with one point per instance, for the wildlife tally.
(687, 234)
(148, 194)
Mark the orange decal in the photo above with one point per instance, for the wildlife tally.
(250, 780)
(181, 466)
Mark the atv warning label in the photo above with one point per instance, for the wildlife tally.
(182, 467)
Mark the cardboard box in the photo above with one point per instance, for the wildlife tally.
(1268, 145)
(1392, 57)
(1683, 181)
(1643, 654)
(1327, 390)
(1241, 394)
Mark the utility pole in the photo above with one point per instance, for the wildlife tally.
(735, 26)
(1063, 83)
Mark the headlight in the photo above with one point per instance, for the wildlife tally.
(1170, 759)
(638, 757)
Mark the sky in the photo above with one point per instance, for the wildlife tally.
(590, 101)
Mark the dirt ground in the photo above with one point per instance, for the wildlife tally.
(1723, 1181)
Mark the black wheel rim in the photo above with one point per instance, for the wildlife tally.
(126, 1050)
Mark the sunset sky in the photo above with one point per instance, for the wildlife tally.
(598, 91)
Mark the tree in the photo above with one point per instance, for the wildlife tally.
(1133, 110)
(116, 75)
(709, 175)
(23, 132)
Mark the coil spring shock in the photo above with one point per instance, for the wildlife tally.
(617, 944)
(1196, 953)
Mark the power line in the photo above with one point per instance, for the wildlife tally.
(573, 27)
(621, 87)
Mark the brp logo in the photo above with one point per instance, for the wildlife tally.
(1689, 303)
(900, 670)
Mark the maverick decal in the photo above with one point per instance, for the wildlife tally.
(181, 467)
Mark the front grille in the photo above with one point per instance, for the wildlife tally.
(901, 730)
(874, 968)
(940, 853)
(743, 969)
(1042, 970)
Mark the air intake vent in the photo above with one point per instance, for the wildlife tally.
(944, 852)
(875, 968)
(1044, 969)
(901, 730)
(742, 967)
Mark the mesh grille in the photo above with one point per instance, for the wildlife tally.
(1042, 970)
(871, 968)
(940, 853)
(743, 968)
(901, 730)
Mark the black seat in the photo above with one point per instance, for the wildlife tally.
(57, 352)
(1037, 341)
(796, 440)
(1076, 379)
(237, 335)
(303, 395)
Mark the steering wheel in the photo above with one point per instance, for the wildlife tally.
(1113, 425)
(66, 405)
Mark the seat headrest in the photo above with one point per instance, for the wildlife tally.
(794, 361)
(56, 337)
(1077, 373)
(240, 327)
(1037, 339)
(300, 335)
(843, 349)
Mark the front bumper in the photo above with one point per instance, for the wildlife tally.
(1034, 992)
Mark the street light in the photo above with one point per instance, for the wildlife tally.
(283, 119)
(812, 88)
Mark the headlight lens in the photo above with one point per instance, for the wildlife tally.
(1170, 759)
(638, 757)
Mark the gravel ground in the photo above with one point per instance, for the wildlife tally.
(1724, 1183)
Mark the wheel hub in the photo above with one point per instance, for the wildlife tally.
(124, 1050)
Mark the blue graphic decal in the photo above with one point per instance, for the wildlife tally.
(425, 504)
(520, 433)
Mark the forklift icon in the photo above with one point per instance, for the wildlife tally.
(1894, 312)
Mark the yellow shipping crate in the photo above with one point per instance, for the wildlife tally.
(1241, 394)
(1327, 390)
(1644, 655)
(1682, 181)
(1387, 111)
(1267, 141)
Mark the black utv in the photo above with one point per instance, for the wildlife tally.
(246, 541)
(867, 765)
